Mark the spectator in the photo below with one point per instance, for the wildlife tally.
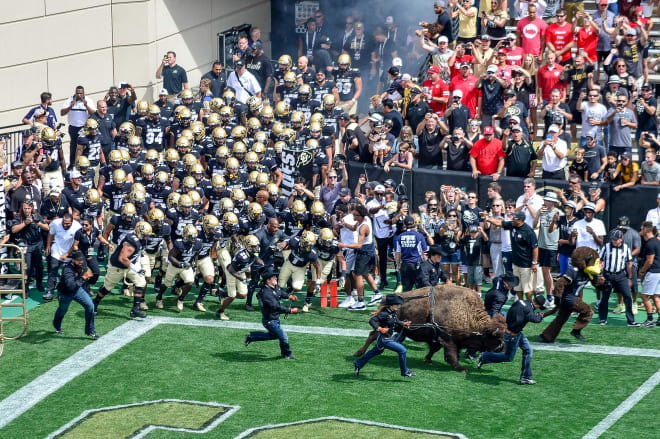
(650, 169)
(531, 33)
(512, 110)
(482, 53)
(458, 150)
(565, 246)
(514, 53)
(486, 156)
(577, 75)
(444, 19)
(629, 48)
(118, 107)
(471, 244)
(107, 126)
(579, 166)
(382, 231)
(549, 78)
(78, 108)
(586, 34)
(436, 90)
(646, 106)
(429, 135)
(529, 202)
(520, 155)
(308, 41)
(494, 20)
(330, 191)
(559, 35)
(650, 273)
(589, 231)
(547, 223)
(58, 249)
(604, 19)
(402, 159)
(627, 172)
(459, 57)
(450, 234)
(218, 78)
(306, 75)
(467, 21)
(594, 115)
(46, 105)
(621, 121)
(322, 58)
(554, 153)
(595, 196)
(491, 90)
(25, 192)
(653, 215)
(594, 154)
(243, 82)
(391, 113)
(26, 231)
(174, 76)
(457, 114)
(417, 109)
(466, 83)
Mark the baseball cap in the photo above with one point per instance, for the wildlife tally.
(554, 128)
(492, 69)
(614, 79)
(397, 62)
(624, 221)
(571, 204)
(359, 25)
(406, 77)
(631, 31)
(389, 19)
(409, 221)
(379, 188)
(516, 128)
(344, 192)
(473, 229)
(488, 130)
(55, 191)
(75, 174)
(518, 216)
(239, 63)
(551, 196)
(603, 2)
(163, 91)
(436, 250)
(17, 164)
(626, 155)
(376, 118)
(590, 206)
(616, 234)
(258, 46)
(639, 9)
(509, 92)
(465, 64)
(646, 85)
(326, 40)
(510, 36)
(433, 69)
(415, 91)
(591, 133)
(485, 37)
(394, 70)
(541, 300)
(502, 52)
(510, 278)
(443, 39)
(457, 93)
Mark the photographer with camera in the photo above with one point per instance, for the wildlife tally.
(645, 107)
(78, 108)
(458, 150)
(174, 76)
(330, 191)
(26, 231)
(621, 121)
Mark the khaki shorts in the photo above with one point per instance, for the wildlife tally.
(342, 105)
(326, 269)
(236, 288)
(187, 275)
(145, 261)
(526, 284)
(297, 275)
(56, 176)
(205, 267)
(115, 274)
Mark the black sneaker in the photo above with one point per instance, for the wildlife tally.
(528, 381)
(602, 322)
(136, 312)
(249, 308)
(575, 333)
(248, 340)
(357, 369)
(634, 325)
(480, 362)
(59, 331)
(48, 297)
(94, 335)
(410, 373)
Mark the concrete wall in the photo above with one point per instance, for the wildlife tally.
(54, 45)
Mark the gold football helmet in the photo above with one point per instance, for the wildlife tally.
(254, 211)
(282, 109)
(189, 183)
(307, 240)
(143, 229)
(252, 177)
(189, 234)
(251, 158)
(216, 104)
(285, 62)
(185, 201)
(219, 135)
(253, 125)
(91, 127)
(82, 163)
(198, 129)
(154, 113)
(317, 117)
(147, 169)
(229, 96)
(173, 200)
(137, 197)
(267, 113)
(260, 137)
(290, 79)
(142, 107)
(119, 176)
(162, 178)
(297, 120)
(222, 152)
(213, 121)
(188, 161)
(92, 196)
(318, 209)
(128, 212)
(218, 182)
(210, 223)
(329, 100)
(184, 115)
(273, 190)
(263, 179)
(252, 244)
(152, 157)
(254, 103)
(183, 143)
(304, 92)
(186, 94)
(196, 198)
(172, 156)
(238, 150)
(298, 209)
(226, 205)
(127, 129)
(326, 237)
(315, 129)
(237, 196)
(344, 61)
(258, 148)
(48, 136)
(312, 144)
(134, 144)
(156, 217)
(230, 222)
(239, 132)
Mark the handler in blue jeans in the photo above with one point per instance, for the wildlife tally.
(269, 301)
(520, 313)
(385, 320)
(74, 286)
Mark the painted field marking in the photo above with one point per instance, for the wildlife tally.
(52, 380)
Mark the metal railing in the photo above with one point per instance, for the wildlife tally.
(13, 135)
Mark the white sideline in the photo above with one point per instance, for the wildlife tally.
(52, 380)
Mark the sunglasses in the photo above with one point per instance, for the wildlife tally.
(593, 96)
(432, 205)
(472, 196)
(589, 138)
(451, 216)
(620, 102)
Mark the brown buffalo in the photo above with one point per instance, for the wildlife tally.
(463, 320)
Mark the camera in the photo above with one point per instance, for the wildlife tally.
(454, 139)
(583, 90)
(647, 136)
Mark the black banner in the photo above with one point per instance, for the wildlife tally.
(296, 163)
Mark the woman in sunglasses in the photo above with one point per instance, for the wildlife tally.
(450, 234)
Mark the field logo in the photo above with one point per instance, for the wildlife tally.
(138, 420)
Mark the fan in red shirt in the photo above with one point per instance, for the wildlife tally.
(487, 156)
(514, 54)
(549, 76)
(436, 91)
(559, 37)
(467, 83)
(638, 17)
(587, 37)
(457, 59)
(531, 32)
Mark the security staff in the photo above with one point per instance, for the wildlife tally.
(409, 248)
(497, 296)
(26, 231)
(617, 268)
(520, 313)
(430, 272)
(269, 301)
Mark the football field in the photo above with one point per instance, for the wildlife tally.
(189, 375)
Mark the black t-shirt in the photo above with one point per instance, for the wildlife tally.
(174, 78)
(397, 122)
(31, 233)
(430, 153)
(322, 60)
(119, 110)
(415, 113)
(458, 156)
(647, 122)
(459, 118)
(260, 67)
(218, 83)
(577, 77)
(134, 242)
(445, 20)
(652, 247)
(471, 249)
(565, 227)
(519, 158)
(523, 242)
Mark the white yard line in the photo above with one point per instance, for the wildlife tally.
(52, 380)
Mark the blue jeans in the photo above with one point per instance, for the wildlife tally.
(383, 343)
(512, 345)
(564, 263)
(83, 299)
(275, 332)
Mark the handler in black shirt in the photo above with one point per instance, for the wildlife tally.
(26, 231)
(520, 313)
(497, 296)
(430, 272)
(271, 308)
(417, 108)
(73, 286)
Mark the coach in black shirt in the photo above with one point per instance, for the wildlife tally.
(26, 231)
(260, 66)
(217, 78)
(174, 76)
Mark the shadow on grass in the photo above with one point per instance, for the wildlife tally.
(484, 377)
(41, 336)
(243, 356)
(349, 377)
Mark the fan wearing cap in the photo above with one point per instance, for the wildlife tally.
(553, 152)
(436, 90)
(243, 82)
(459, 57)
(491, 87)
(630, 42)
(547, 223)
(627, 172)
(645, 106)
(269, 301)
(385, 321)
(520, 313)
(565, 244)
(497, 296)
(557, 112)
(472, 242)
(457, 114)
(520, 154)
(589, 231)
(487, 156)
(515, 112)
(166, 107)
(482, 52)
(594, 154)
(466, 82)
(618, 271)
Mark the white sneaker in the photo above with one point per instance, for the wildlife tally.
(550, 303)
(357, 306)
(376, 279)
(348, 301)
(375, 299)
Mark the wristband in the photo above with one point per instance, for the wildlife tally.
(535, 263)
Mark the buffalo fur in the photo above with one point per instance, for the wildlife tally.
(460, 311)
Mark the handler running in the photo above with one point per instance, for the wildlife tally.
(385, 320)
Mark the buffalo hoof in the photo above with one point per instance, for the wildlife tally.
(461, 369)
(428, 362)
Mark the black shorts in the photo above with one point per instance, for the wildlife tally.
(577, 115)
(364, 263)
(548, 258)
